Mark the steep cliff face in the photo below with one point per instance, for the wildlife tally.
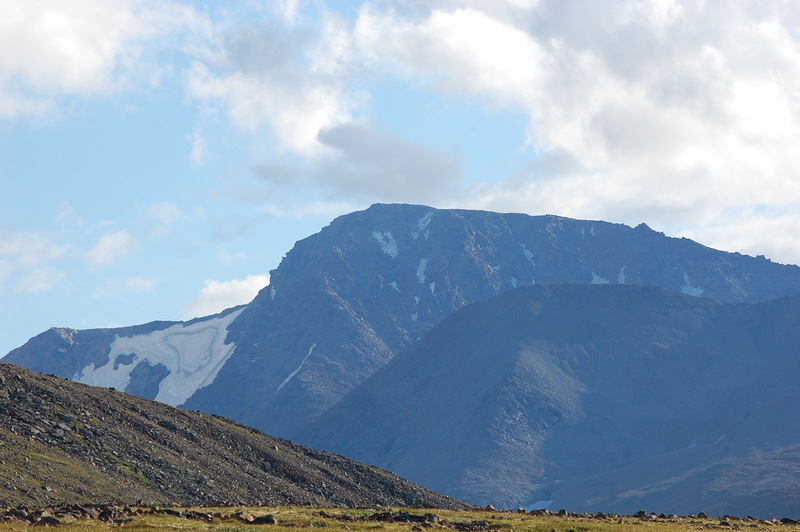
(344, 301)
(592, 398)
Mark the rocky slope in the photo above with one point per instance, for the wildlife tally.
(592, 398)
(344, 301)
(67, 443)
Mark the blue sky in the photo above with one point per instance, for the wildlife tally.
(158, 158)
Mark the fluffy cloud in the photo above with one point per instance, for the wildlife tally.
(678, 113)
(216, 296)
(50, 48)
(112, 246)
(290, 80)
(682, 114)
(29, 261)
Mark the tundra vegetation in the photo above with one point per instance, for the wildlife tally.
(251, 519)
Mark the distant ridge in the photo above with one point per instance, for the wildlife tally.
(67, 443)
(605, 398)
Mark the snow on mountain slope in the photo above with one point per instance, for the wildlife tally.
(344, 301)
(189, 357)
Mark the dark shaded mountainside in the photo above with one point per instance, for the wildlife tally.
(345, 301)
(66, 443)
(592, 398)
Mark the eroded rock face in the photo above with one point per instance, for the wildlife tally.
(345, 301)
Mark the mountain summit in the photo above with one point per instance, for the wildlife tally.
(346, 300)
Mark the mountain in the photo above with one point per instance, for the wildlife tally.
(66, 443)
(609, 398)
(346, 300)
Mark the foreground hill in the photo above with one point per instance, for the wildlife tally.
(65, 443)
(345, 301)
(593, 398)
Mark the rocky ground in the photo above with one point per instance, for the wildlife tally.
(63, 443)
(377, 518)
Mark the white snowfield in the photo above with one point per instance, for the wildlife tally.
(193, 354)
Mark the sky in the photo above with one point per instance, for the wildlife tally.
(158, 158)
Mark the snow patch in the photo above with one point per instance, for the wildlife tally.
(432, 286)
(272, 293)
(414, 317)
(393, 284)
(719, 439)
(596, 279)
(688, 289)
(621, 275)
(387, 243)
(591, 230)
(292, 374)
(422, 226)
(528, 254)
(192, 353)
(423, 263)
(416, 300)
(514, 282)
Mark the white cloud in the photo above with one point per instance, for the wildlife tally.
(289, 10)
(38, 280)
(30, 248)
(165, 212)
(29, 260)
(675, 113)
(293, 81)
(217, 296)
(112, 246)
(50, 48)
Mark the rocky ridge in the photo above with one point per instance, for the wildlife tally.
(66, 443)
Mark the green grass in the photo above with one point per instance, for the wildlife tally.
(292, 518)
